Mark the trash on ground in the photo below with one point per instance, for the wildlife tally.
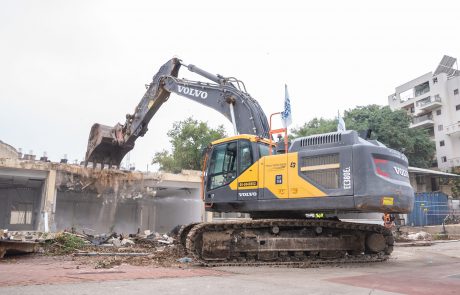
(185, 260)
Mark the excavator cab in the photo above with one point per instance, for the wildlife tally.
(232, 167)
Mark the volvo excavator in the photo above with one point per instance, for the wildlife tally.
(281, 186)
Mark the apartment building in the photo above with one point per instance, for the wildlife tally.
(433, 101)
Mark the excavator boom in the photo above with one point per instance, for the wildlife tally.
(109, 145)
(228, 96)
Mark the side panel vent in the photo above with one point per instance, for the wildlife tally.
(324, 169)
(321, 139)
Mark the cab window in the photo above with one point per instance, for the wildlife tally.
(264, 149)
(222, 167)
(245, 159)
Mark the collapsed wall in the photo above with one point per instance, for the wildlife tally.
(44, 196)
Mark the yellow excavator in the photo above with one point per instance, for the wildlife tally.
(280, 185)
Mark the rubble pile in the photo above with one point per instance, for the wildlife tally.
(411, 236)
(148, 248)
(103, 250)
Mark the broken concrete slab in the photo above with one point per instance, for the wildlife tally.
(9, 247)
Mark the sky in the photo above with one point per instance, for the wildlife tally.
(65, 65)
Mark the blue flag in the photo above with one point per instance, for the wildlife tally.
(286, 115)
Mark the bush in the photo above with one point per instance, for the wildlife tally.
(65, 243)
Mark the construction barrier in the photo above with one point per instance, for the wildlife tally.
(429, 209)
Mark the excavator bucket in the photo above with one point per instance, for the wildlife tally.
(104, 146)
(108, 145)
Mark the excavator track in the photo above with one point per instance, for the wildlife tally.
(287, 242)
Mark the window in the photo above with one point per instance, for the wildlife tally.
(245, 158)
(438, 112)
(21, 213)
(264, 150)
(440, 128)
(435, 80)
(457, 107)
(443, 159)
(420, 179)
(456, 91)
(442, 143)
(222, 168)
(434, 184)
(422, 88)
(223, 163)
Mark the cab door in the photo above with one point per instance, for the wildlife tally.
(222, 172)
(248, 171)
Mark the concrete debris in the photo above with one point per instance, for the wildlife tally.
(412, 236)
(420, 236)
(185, 260)
(115, 242)
(98, 239)
(25, 236)
(103, 251)
(12, 243)
(9, 247)
(168, 241)
(127, 242)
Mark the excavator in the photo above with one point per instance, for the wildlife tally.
(293, 191)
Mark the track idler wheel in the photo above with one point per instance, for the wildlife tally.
(375, 243)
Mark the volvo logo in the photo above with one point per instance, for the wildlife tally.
(248, 194)
(401, 172)
(192, 92)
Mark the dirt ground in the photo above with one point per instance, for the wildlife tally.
(411, 270)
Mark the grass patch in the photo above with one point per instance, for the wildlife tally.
(65, 243)
(440, 236)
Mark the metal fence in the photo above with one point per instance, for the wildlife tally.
(429, 209)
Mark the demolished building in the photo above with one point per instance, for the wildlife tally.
(47, 196)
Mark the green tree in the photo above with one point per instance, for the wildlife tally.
(315, 126)
(389, 127)
(188, 139)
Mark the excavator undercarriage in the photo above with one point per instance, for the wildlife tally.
(286, 242)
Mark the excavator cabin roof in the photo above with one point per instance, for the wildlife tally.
(252, 138)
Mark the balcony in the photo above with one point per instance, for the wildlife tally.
(429, 103)
(453, 129)
(424, 121)
(421, 89)
(454, 162)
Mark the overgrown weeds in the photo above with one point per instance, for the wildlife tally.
(65, 243)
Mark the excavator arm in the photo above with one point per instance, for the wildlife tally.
(228, 96)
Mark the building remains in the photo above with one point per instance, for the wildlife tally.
(38, 195)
